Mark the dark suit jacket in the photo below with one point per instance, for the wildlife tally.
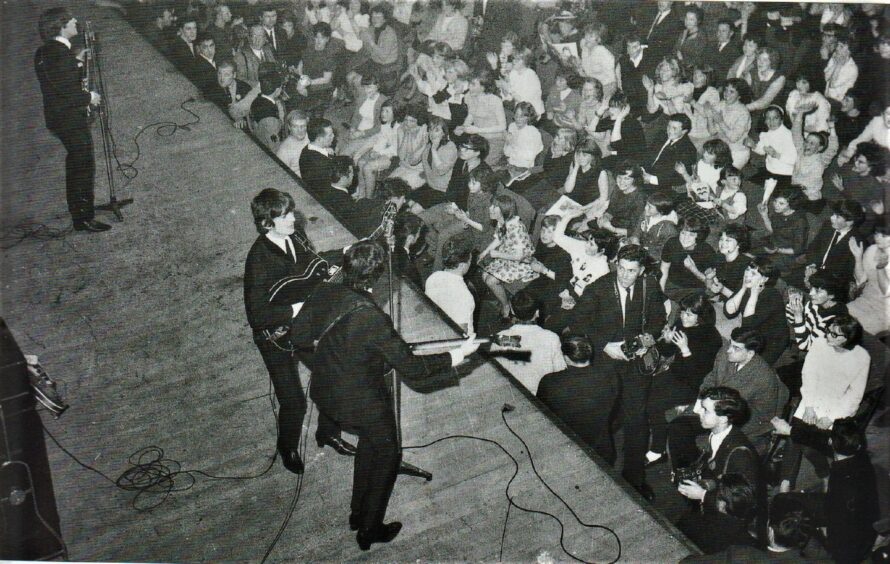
(247, 64)
(204, 75)
(458, 191)
(349, 366)
(664, 36)
(64, 99)
(221, 96)
(182, 56)
(722, 60)
(736, 455)
(405, 267)
(632, 81)
(682, 151)
(273, 281)
(315, 169)
(598, 312)
(840, 261)
(263, 108)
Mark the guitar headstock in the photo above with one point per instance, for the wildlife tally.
(507, 341)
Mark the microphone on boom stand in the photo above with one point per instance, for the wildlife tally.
(405, 468)
(95, 82)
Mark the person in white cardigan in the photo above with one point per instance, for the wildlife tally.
(833, 380)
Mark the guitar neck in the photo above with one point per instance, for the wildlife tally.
(444, 344)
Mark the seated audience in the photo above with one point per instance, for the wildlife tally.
(267, 110)
(485, 115)
(841, 71)
(182, 50)
(204, 69)
(546, 349)
(380, 43)
(659, 224)
(766, 82)
(739, 366)
(730, 120)
(815, 151)
(438, 161)
(233, 94)
(378, 153)
(365, 121)
(724, 51)
(685, 258)
(688, 348)
(552, 288)
(873, 274)
(877, 131)
(450, 26)
(411, 142)
(588, 252)
(669, 93)
(582, 397)
(625, 140)
(507, 266)
(727, 277)
(315, 159)
(777, 144)
(317, 68)
(597, 61)
(674, 148)
(292, 147)
(523, 143)
(249, 58)
(523, 84)
(692, 45)
(760, 304)
(807, 101)
(860, 181)
(562, 104)
(849, 506)
(471, 153)
(829, 250)
(626, 204)
(786, 224)
(447, 287)
(714, 529)
(731, 200)
(704, 98)
(407, 232)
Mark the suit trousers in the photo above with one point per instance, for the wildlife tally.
(634, 395)
(377, 462)
(80, 168)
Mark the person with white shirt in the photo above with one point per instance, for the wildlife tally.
(448, 289)
(523, 84)
(545, 346)
(596, 60)
(451, 26)
(777, 143)
(833, 379)
(523, 141)
(841, 71)
(589, 261)
(292, 147)
(877, 131)
(807, 100)
(280, 272)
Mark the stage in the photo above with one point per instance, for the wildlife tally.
(145, 328)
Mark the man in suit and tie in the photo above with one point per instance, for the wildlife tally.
(231, 94)
(315, 160)
(617, 310)
(65, 103)
(676, 148)
(204, 69)
(660, 28)
(274, 34)
(182, 51)
(725, 51)
(248, 59)
(635, 63)
(830, 249)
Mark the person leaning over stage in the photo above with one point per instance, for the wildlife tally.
(354, 343)
(65, 103)
(281, 270)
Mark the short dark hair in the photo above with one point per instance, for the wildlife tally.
(270, 78)
(738, 495)
(380, 8)
(406, 224)
(441, 123)
(524, 306)
(847, 437)
(699, 13)
(634, 253)
(269, 204)
(791, 522)
(363, 263)
(728, 402)
(631, 169)
(751, 339)
(603, 239)
(766, 268)
(850, 210)
(52, 21)
(321, 28)
(550, 221)
(720, 150)
(393, 188)
(832, 284)
(476, 143)
(662, 202)
(577, 348)
(618, 100)
(457, 251)
(740, 233)
(698, 303)
(682, 119)
(488, 179)
(791, 194)
(589, 146)
(527, 110)
(340, 165)
(316, 127)
(849, 327)
(876, 157)
(202, 37)
(740, 86)
(695, 224)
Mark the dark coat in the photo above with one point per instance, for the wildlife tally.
(682, 151)
(181, 56)
(64, 99)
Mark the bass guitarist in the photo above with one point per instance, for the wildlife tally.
(281, 271)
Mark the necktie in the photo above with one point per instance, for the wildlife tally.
(658, 156)
(834, 239)
(288, 250)
(274, 43)
(658, 17)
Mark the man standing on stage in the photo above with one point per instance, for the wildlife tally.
(65, 103)
(281, 270)
(355, 343)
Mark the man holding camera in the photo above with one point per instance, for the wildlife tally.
(620, 312)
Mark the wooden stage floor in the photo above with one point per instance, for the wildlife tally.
(146, 329)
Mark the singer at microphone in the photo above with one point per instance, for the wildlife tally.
(65, 104)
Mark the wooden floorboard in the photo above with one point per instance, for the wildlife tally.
(145, 328)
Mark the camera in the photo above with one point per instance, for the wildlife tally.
(691, 473)
(631, 347)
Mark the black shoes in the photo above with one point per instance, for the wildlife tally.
(292, 461)
(354, 521)
(646, 491)
(91, 226)
(383, 533)
(337, 444)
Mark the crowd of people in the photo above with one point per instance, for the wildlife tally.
(619, 181)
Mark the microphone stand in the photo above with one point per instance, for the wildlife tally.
(395, 386)
(114, 205)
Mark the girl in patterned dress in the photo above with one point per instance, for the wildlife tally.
(509, 252)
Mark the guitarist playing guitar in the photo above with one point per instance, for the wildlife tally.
(281, 271)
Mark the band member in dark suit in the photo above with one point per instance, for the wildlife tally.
(354, 343)
(612, 313)
(65, 103)
(281, 270)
